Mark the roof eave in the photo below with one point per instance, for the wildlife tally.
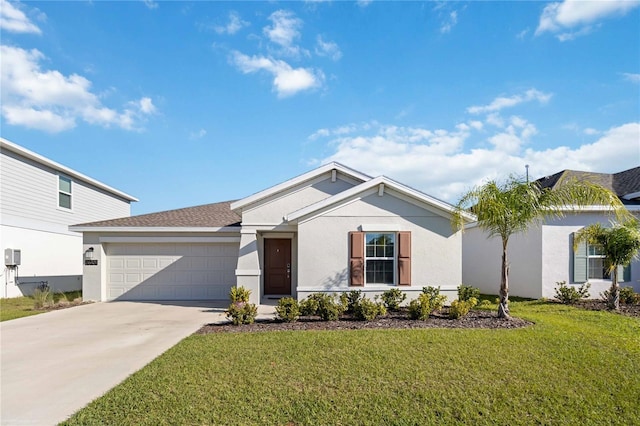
(10, 146)
(161, 229)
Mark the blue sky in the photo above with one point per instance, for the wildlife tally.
(188, 103)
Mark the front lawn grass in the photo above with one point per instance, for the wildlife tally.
(18, 307)
(571, 367)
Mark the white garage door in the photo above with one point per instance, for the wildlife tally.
(168, 271)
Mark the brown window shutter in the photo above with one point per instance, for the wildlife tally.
(404, 258)
(356, 258)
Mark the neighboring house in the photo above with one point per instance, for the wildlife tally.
(39, 199)
(332, 229)
(544, 255)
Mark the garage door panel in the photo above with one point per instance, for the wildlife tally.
(170, 271)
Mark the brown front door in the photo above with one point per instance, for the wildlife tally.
(277, 266)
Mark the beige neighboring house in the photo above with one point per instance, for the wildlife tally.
(39, 199)
(332, 229)
(544, 255)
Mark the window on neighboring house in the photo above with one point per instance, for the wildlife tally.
(589, 264)
(380, 258)
(64, 192)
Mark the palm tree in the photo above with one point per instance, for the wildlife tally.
(504, 209)
(620, 245)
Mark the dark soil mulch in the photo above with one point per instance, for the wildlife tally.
(393, 320)
(601, 305)
(58, 306)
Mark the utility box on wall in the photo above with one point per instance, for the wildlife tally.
(12, 257)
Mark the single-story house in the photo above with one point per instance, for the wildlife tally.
(544, 255)
(332, 229)
(39, 199)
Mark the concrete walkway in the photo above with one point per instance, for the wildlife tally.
(55, 363)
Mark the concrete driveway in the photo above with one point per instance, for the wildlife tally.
(56, 363)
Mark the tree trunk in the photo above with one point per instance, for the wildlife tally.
(614, 291)
(503, 308)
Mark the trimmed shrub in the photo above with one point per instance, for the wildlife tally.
(368, 310)
(288, 310)
(323, 305)
(241, 311)
(393, 298)
(239, 294)
(420, 308)
(42, 297)
(460, 308)
(466, 292)
(436, 300)
(569, 294)
(350, 299)
(628, 296)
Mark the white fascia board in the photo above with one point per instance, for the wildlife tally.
(298, 180)
(152, 229)
(632, 196)
(23, 152)
(372, 184)
(150, 239)
(597, 208)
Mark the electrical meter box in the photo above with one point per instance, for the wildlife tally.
(11, 257)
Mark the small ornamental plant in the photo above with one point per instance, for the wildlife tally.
(466, 292)
(241, 311)
(460, 308)
(288, 310)
(569, 294)
(323, 305)
(350, 300)
(392, 299)
(368, 310)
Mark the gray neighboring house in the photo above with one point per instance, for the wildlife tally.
(544, 255)
(39, 199)
(331, 229)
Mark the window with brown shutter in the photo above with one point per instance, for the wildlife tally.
(379, 258)
(404, 258)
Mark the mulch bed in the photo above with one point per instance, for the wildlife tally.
(600, 305)
(393, 320)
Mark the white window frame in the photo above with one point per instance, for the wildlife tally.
(394, 258)
(595, 256)
(69, 193)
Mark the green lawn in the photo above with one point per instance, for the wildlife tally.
(18, 307)
(572, 367)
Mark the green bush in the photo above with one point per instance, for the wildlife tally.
(569, 294)
(288, 309)
(420, 308)
(323, 305)
(368, 310)
(241, 311)
(393, 298)
(239, 294)
(350, 299)
(628, 296)
(42, 297)
(466, 292)
(436, 300)
(460, 308)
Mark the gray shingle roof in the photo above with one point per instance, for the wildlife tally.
(621, 183)
(209, 215)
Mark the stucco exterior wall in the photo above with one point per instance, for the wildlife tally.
(272, 210)
(324, 245)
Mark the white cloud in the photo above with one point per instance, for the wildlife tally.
(198, 135)
(450, 22)
(590, 131)
(363, 3)
(327, 48)
(50, 101)
(285, 31)
(569, 14)
(522, 34)
(445, 163)
(634, 78)
(506, 102)
(151, 4)
(14, 20)
(234, 25)
(287, 81)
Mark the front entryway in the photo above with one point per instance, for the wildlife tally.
(277, 267)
